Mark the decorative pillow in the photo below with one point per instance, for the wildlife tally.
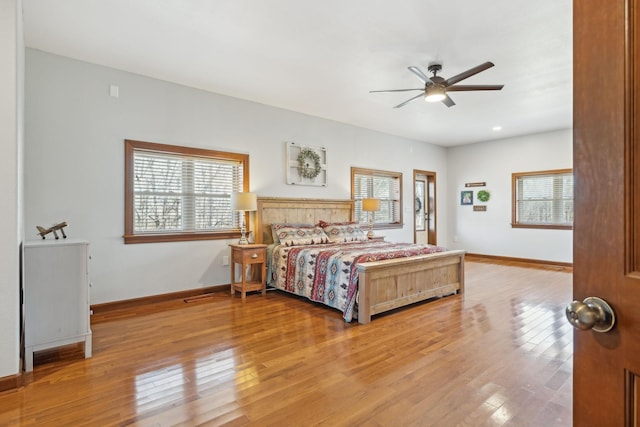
(277, 226)
(324, 224)
(300, 235)
(339, 233)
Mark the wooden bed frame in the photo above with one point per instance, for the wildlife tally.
(382, 285)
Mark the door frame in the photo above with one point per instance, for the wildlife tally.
(430, 191)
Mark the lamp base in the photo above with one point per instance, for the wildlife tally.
(243, 236)
(370, 234)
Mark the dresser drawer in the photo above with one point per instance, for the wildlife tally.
(249, 256)
(256, 255)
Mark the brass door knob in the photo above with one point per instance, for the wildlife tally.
(592, 313)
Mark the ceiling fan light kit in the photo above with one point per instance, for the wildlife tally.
(434, 94)
(435, 87)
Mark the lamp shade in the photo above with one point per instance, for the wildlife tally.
(370, 205)
(244, 201)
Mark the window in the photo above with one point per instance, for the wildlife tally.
(382, 185)
(176, 193)
(543, 199)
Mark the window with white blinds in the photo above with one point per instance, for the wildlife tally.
(543, 199)
(178, 193)
(382, 185)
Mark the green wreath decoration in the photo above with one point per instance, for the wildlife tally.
(305, 167)
(483, 196)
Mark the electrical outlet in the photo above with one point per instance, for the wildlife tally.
(225, 260)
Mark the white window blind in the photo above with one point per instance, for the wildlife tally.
(544, 198)
(174, 192)
(384, 186)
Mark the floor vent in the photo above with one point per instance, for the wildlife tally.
(198, 298)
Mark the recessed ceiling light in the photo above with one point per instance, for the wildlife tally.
(497, 128)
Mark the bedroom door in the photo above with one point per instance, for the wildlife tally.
(424, 207)
(606, 138)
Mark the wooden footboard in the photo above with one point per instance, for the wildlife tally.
(386, 285)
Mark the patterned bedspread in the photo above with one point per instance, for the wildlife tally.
(327, 273)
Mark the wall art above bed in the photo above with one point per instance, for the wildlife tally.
(306, 165)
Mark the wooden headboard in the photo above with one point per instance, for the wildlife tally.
(298, 211)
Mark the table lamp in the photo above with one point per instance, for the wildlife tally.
(243, 202)
(370, 205)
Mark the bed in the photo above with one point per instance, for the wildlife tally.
(381, 285)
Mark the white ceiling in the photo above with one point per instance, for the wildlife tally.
(323, 57)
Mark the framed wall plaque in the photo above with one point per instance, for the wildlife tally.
(466, 197)
(306, 165)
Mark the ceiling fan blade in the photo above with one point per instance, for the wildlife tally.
(409, 100)
(448, 101)
(461, 88)
(466, 74)
(394, 90)
(420, 74)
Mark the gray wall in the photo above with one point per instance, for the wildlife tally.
(490, 232)
(74, 171)
(74, 158)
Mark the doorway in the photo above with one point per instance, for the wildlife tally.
(424, 207)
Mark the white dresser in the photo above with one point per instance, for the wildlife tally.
(56, 295)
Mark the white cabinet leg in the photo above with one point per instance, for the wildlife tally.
(87, 346)
(28, 359)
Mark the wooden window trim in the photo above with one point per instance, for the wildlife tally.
(514, 180)
(129, 236)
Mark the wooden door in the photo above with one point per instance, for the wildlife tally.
(424, 226)
(607, 208)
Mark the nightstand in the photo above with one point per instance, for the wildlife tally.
(255, 258)
(377, 239)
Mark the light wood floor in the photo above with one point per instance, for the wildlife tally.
(501, 355)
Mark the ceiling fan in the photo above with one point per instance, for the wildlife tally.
(435, 87)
